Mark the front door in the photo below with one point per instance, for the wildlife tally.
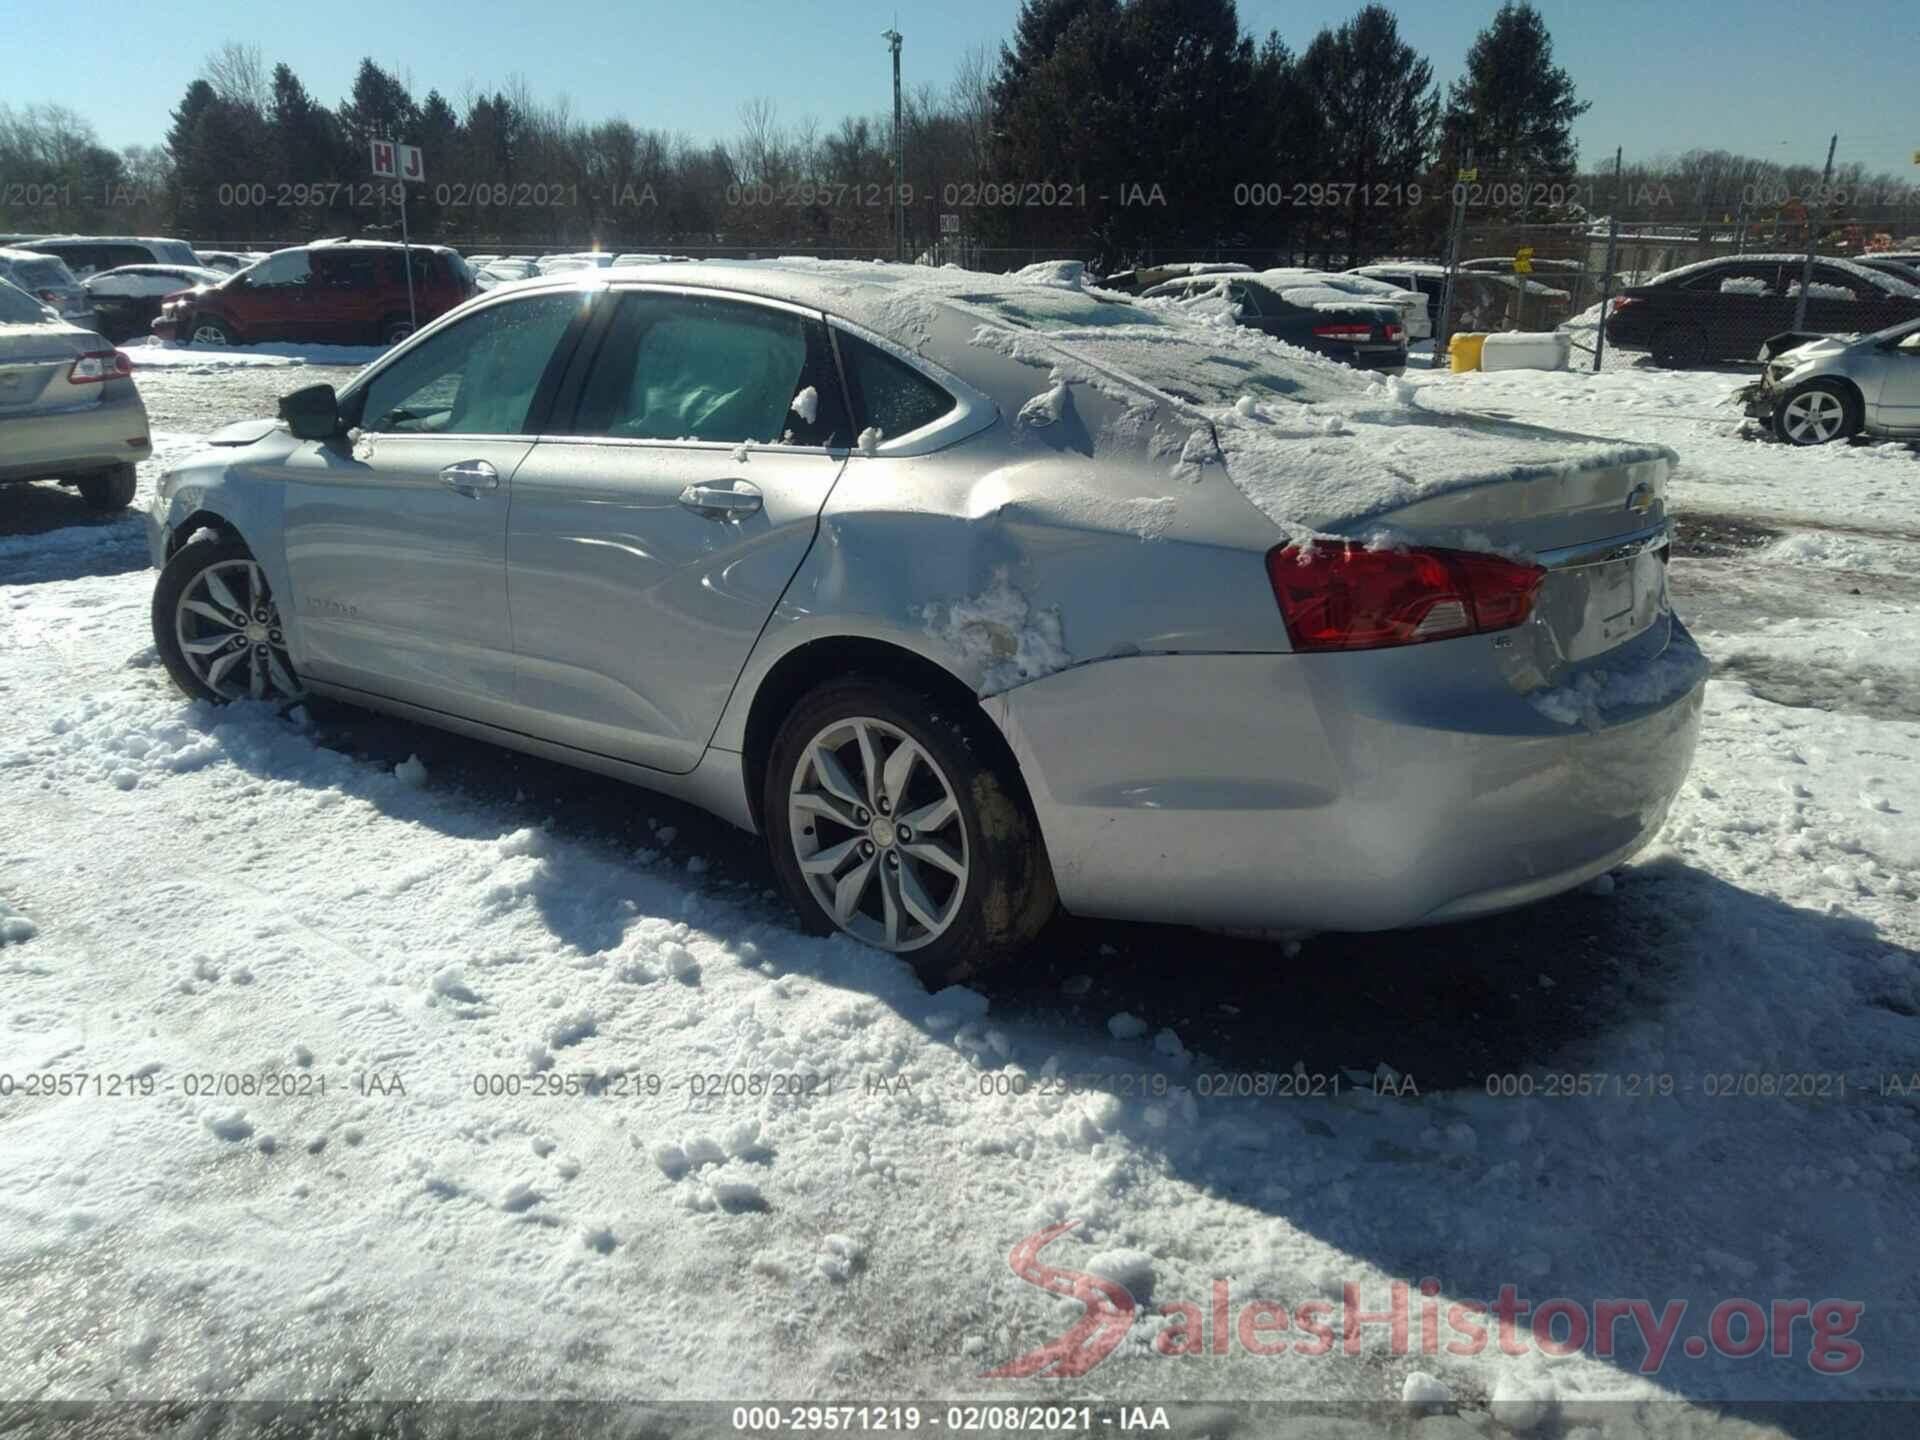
(272, 301)
(658, 523)
(396, 537)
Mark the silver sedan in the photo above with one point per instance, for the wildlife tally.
(974, 595)
(1833, 387)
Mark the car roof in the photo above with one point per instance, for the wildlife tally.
(39, 240)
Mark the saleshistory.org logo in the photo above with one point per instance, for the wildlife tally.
(1736, 1328)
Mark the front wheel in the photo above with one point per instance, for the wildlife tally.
(218, 628)
(108, 490)
(1815, 413)
(897, 824)
(211, 331)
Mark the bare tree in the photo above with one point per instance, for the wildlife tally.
(238, 75)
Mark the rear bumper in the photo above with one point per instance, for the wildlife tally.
(1365, 791)
(68, 442)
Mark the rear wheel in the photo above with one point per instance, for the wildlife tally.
(898, 824)
(210, 330)
(1816, 412)
(1680, 346)
(392, 332)
(218, 628)
(108, 490)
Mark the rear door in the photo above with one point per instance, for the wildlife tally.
(1738, 305)
(658, 521)
(396, 542)
(1840, 303)
(345, 305)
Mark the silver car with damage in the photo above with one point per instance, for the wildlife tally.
(1816, 389)
(967, 594)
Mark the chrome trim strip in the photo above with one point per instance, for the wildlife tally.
(1602, 552)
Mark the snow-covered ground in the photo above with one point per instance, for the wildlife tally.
(317, 1002)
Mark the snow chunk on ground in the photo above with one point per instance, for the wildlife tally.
(1126, 1027)
(1421, 1388)
(410, 772)
(1131, 1268)
(1523, 1403)
(1002, 635)
(15, 928)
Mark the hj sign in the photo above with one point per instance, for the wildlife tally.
(398, 162)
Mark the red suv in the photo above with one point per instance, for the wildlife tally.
(333, 292)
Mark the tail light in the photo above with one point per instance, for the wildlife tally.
(1343, 332)
(1350, 598)
(1394, 332)
(97, 366)
(1621, 302)
(48, 297)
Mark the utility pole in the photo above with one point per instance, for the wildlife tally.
(1463, 177)
(1613, 255)
(893, 38)
(1813, 230)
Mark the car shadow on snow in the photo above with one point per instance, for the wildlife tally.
(1685, 1196)
(48, 533)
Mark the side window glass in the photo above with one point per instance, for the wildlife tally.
(1828, 285)
(475, 378)
(683, 367)
(890, 397)
(294, 267)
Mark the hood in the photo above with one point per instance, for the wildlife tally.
(245, 432)
(1803, 347)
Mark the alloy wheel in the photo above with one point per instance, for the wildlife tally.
(1813, 417)
(877, 830)
(230, 634)
(209, 335)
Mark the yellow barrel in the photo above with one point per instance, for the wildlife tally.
(1465, 351)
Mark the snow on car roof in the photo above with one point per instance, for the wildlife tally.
(1313, 444)
(1890, 283)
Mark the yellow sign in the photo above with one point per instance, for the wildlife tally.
(1916, 157)
(1467, 177)
(1523, 260)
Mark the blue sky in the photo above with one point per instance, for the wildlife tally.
(1766, 77)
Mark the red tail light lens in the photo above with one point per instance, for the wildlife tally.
(1343, 332)
(1342, 597)
(1394, 332)
(1622, 301)
(97, 366)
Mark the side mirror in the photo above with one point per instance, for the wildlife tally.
(312, 413)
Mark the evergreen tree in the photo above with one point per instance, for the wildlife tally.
(1514, 108)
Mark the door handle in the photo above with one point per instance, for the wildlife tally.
(470, 477)
(722, 499)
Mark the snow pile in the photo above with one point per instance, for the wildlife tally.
(154, 353)
(1744, 285)
(1001, 635)
(1816, 291)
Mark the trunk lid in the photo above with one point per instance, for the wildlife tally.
(34, 363)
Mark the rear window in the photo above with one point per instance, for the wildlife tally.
(346, 269)
(887, 395)
(19, 308)
(43, 274)
(174, 252)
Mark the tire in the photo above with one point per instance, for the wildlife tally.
(392, 332)
(209, 330)
(205, 592)
(1817, 412)
(973, 813)
(109, 489)
(1679, 347)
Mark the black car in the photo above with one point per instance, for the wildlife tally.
(1365, 334)
(125, 300)
(1724, 309)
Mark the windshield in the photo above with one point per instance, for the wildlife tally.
(44, 274)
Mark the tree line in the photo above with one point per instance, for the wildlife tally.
(1111, 130)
